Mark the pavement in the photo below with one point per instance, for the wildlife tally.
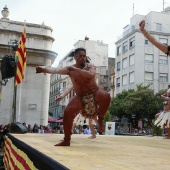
(105, 152)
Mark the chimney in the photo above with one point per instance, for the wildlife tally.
(86, 38)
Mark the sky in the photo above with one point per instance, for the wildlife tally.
(72, 20)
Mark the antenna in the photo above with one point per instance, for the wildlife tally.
(163, 4)
(133, 10)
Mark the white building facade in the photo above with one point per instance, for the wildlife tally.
(137, 60)
(32, 99)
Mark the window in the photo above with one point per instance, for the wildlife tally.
(118, 66)
(132, 42)
(131, 60)
(131, 77)
(163, 59)
(118, 82)
(118, 50)
(148, 58)
(158, 27)
(148, 76)
(163, 77)
(60, 86)
(125, 47)
(104, 80)
(164, 41)
(124, 63)
(124, 79)
(64, 84)
(147, 42)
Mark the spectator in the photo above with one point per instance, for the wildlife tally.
(47, 129)
(56, 129)
(29, 128)
(41, 129)
(61, 129)
(87, 130)
(35, 128)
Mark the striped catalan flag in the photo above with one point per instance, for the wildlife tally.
(21, 54)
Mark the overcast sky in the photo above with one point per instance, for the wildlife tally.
(72, 20)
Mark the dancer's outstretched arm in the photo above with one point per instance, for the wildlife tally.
(159, 45)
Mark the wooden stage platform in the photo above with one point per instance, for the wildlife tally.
(106, 152)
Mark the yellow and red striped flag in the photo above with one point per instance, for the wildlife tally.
(21, 54)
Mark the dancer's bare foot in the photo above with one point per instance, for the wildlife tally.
(92, 137)
(64, 142)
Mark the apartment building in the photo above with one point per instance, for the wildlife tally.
(139, 61)
(58, 84)
(111, 75)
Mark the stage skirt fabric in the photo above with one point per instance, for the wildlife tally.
(15, 158)
(163, 119)
(20, 156)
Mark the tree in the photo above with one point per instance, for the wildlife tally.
(107, 117)
(117, 104)
(50, 113)
(142, 103)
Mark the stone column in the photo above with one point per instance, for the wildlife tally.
(45, 99)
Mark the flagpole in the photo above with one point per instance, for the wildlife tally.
(21, 65)
(15, 89)
(19, 104)
(14, 103)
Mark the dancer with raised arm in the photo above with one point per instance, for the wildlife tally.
(161, 46)
(163, 118)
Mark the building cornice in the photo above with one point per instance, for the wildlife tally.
(28, 34)
(138, 31)
(10, 22)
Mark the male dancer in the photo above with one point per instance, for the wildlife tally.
(87, 93)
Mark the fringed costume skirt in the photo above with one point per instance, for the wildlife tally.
(163, 119)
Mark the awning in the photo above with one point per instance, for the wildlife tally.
(53, 120)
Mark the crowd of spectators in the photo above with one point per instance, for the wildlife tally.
(44, 129)
(4, 129)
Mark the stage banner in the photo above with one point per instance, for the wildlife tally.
(110, 128)
(20, 156)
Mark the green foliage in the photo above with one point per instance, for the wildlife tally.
(107, 117)
(117, 104)
(156, 130)
(141, 102)
(50, 113)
